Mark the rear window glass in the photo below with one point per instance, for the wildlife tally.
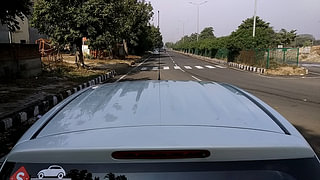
(262, 170)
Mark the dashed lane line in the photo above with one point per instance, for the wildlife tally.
(166, 67)
(199, 67)
(210, 67)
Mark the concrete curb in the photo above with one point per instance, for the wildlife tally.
(39, 108)
(247, 68)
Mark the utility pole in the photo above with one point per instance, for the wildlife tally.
(158, 19)
(183, 31)
(254, 18)
(198, 7)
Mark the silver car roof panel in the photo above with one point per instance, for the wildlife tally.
(157, 103)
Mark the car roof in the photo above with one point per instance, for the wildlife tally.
(157, 115)
(164, 103)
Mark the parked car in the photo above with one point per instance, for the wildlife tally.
(163, 130)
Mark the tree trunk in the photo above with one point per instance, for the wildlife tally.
(81, 60)
(79, 54)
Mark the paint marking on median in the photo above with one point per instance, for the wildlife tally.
(196, 78)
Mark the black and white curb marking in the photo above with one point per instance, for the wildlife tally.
(247, 68)
(39, 108)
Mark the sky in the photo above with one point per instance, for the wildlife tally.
(225, 16)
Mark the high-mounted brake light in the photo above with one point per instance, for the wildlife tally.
(161, 154)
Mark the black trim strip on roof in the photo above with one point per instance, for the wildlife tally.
(276, 120)
(55, 113)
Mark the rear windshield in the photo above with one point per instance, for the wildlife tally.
(298, 169)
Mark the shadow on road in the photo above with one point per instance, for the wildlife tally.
(312, 138)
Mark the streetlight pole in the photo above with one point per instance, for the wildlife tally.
(158, 19)
(198, 7)
(254, 18)
(183, 31)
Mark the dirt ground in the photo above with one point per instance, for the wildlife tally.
(287, 71)
(314, 55)
(16, 94)
(56, 77)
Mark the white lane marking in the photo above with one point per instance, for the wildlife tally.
(220, 67)
(176, 67)
(132, 70)
(210, 67)
(199, 67)
(166, 67)
(155, 68)
(182, 70)
(196, 78)
(187, 67)
(144, 69)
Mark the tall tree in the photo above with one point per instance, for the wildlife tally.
(206, 33)
(10, 10)
(104, 22)
(242, 38)
(304, 40)
(285, 38)
(64, 21)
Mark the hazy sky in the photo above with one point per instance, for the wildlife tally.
(226, 15)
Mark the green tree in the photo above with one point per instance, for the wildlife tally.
(10, 10)
(169, 44)
(104, 22)
(242, 38)
(304, 40)
(285, 38)
(206, 33)
(64, 21)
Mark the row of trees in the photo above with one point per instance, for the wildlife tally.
(241, 38)
(104, 22)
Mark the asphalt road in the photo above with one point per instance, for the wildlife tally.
(296, 98)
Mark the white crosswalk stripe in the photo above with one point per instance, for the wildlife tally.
(176, 67)
(220, 67)
(210, 67)
(144, 69)
(199, 67)
(155, 68)
(166, 67)
(187, 67)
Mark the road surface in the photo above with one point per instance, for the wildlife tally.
(297, 98)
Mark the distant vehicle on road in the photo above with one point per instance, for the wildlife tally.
(163, 130)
